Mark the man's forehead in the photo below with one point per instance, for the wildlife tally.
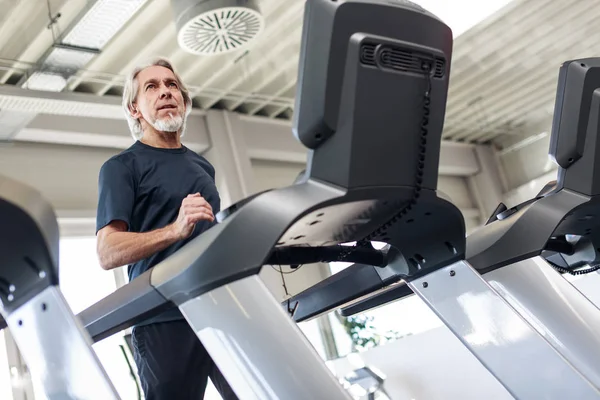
(156, 72)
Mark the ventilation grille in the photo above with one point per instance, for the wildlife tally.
(400, 59)
(220, 31)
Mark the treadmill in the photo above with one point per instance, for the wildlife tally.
(371, 97)
(373, 78)
(56, 347)
(520, 253)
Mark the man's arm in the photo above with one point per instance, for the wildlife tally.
(118, 247)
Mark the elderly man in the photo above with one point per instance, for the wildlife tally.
(155, 197)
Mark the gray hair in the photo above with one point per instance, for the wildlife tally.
(131, 89)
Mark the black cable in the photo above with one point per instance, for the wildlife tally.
(286, 272)
(291, 310)
(564, 270)
(382, 230)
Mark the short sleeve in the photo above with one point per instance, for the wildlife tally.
(116, 194)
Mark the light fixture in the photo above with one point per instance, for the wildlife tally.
(209, 27)
(81, 43)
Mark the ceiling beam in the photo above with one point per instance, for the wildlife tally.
(101, 132)
(278, 109)
(19, 38)
(289, 45)
(129, 49)
(89, 120)
(272, 139)
(265, 82)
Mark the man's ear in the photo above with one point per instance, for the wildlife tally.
(135, 113)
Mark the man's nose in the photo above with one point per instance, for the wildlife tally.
(165, 92)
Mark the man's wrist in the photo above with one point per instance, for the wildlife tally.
(172, 233)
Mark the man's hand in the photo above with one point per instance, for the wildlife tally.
(117, 247)
(194, 208)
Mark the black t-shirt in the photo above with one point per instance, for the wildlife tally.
(144, 187)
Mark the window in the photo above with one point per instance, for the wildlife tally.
(404, 317)
(5, 382)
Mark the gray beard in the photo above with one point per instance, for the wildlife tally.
(168, 124)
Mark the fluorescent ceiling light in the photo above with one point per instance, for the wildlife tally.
(45, 81)
(40, 105)
(104, 19)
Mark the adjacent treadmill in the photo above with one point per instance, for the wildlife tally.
(521, 253)
(54, 344)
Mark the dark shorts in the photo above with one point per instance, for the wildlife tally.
(173, 364)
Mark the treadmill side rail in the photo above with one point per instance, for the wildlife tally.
(556, 309)
(506, 344)
(58, 350)
(261, 352)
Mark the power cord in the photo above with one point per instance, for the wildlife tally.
(563, 270)
(382, 230)
(291, 310)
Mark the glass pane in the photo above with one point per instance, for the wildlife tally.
(5, 381)
(404, 317)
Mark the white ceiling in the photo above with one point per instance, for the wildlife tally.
(503, 73)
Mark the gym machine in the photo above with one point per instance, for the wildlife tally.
(521, 251)
(373, 78)
(54, 344)
(370, 105)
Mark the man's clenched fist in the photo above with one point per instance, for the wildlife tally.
(194, 208)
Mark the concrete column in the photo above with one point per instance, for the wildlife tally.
(486, 185)
(228, 153)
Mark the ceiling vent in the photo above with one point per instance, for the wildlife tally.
(210, 27)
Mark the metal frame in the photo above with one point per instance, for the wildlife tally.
(62, 358)
(52, 341)
(261, 352)
(558, 311)
(520, 356)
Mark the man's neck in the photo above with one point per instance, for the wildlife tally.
(163, 140)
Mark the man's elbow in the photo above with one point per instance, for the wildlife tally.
(105, 262)
(104, 259)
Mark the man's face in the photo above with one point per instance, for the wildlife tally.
(159, 100)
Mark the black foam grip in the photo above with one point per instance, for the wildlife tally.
(128, 305)
(394, 293)
(347, 285)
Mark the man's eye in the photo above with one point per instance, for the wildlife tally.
(151, 86)
(173, 84)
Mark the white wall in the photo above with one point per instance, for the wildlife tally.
(528, 162)
(529, 190)
(432, 365)
(67, 176)
(274, 174)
